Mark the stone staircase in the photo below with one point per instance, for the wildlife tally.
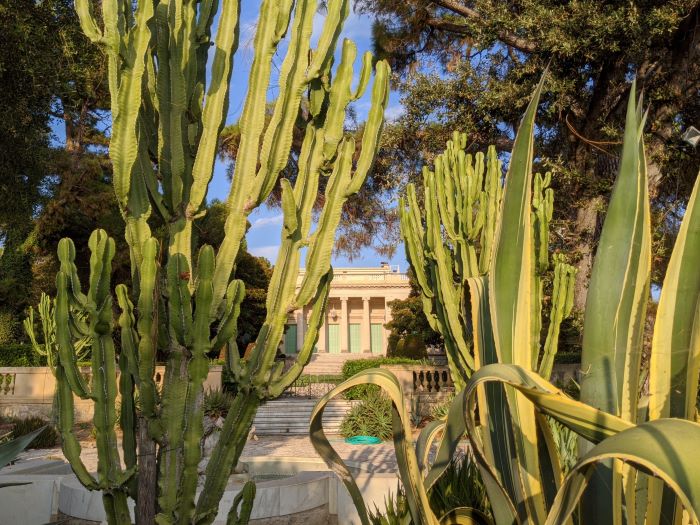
(331, 364)
(291, 416)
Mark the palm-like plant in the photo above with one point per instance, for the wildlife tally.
(634, 466)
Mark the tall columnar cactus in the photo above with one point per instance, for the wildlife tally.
(168, 108)
(639, 463)
(453, 241)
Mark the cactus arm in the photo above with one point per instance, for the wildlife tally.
(128, 379)
(175, 387)
(197, 369)
(337, 12)
(365, 74)
(491, 200)
(316, 319)
(277, 141)
(217, 99)
(88, 23)
(319, 253)
(225, 455)
(104, 390)
(241, 197)
(562, 304)
(124, 143)
(244, 499)
(163, 103)
(179, 304)
(66, 351)
(69, 443)
(147, 328)
(338, 99)
(373, 126)
(228, 328)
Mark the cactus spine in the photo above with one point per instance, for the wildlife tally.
(452, 240)
(166, 124)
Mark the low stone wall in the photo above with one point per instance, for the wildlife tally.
(28, 391)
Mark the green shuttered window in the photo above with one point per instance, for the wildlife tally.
(333, 339)
(355, 338)
(377, 336)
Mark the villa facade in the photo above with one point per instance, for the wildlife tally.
(358, 309)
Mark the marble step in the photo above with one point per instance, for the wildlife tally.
(291, 416)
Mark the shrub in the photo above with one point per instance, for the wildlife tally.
(459, 486)
(217, 403)
(440, 411)
(47, 439)
(20, 355)
(370, 417)
(411, 347)
(353, 366)
(9, 327)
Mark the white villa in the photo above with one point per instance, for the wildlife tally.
(357, 311)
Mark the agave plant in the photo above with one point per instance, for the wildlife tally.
(634, 465)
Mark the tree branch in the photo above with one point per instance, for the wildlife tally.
(520, 43)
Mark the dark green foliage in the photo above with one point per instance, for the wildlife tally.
(48, 71)
(395, 511)
(217, 403)
(20, 355)
(353, 366)
(82, 201)
(410, 346)
(567, 358)
(47, 439)
(370, 417)
(408, 321)
(459, 486)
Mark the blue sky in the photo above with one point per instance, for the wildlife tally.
(264, 235)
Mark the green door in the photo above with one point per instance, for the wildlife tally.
(333, 339)
(355, 338)
(290, 339)
(377, 336)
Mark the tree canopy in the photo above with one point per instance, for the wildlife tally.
(471, 66)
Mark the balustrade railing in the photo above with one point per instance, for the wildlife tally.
(432, 379)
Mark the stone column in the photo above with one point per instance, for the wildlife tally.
(322, 345)
(385, 332)
(366, 328)
(301, 327)
(344, 329)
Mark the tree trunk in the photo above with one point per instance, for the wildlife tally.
(146, 498)
(587, 218)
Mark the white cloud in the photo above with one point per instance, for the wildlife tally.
(269, 252)
(274, 220)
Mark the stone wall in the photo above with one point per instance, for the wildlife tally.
(28, 391)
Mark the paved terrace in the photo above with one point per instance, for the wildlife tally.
(377, 458)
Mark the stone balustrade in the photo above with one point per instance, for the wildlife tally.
(424, 386)
(28, 391)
